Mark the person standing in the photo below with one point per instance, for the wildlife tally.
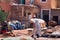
(29, 17)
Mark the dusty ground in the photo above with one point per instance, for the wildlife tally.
(25, 32)
(48, 38)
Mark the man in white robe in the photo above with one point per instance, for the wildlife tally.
(38, 24)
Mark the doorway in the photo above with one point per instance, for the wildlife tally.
(55, 18)
(45, 15)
